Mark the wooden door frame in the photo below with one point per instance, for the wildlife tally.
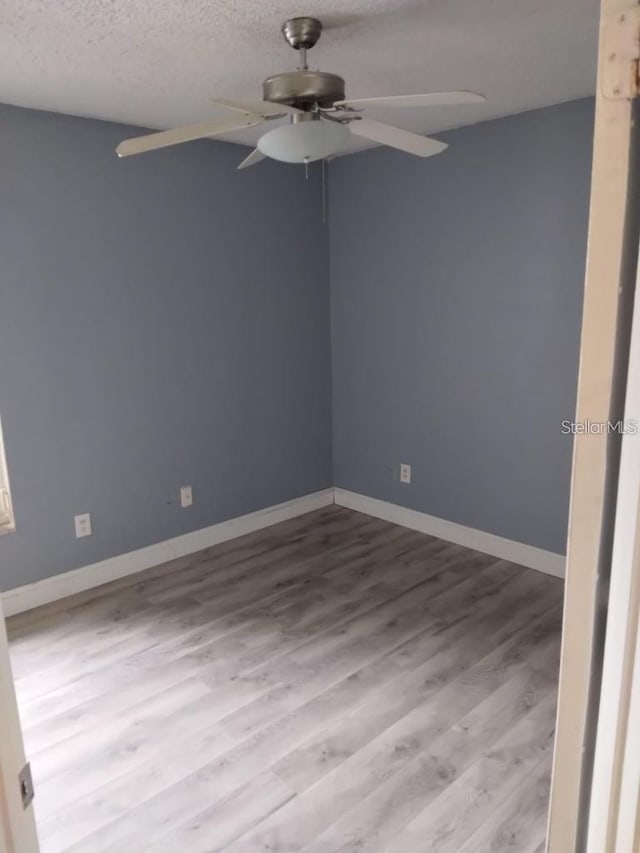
(613, 813)
(17, 824)
(628, 812)
(609, 286)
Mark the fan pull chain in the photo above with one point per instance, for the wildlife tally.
(324, 190)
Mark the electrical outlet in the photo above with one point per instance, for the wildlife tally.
(405, 473)
(186, 496)
(83, 525)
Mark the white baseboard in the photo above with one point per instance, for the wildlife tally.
(505, 549)
(78, 580)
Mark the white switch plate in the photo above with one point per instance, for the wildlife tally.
(405, 473)
(83, 525)
(186, 496)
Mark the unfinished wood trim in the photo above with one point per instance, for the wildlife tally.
(622, 625)
(18, 824)
(6, 841)
(628, 823)
(605, 258)
(627, 814)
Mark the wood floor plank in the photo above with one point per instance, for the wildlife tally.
(444, 826)
(29, 625)
(222, 618)
(225, 614)
(77, 766)
(518, 824)
(237, 766)
(219, 825)
(392, 752)
(376, 819)
(81, 622)
(330, 683)
(445, 681)
(174, 760)
(319, 669)
(296, 628)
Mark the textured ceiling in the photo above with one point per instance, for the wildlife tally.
(157, 63)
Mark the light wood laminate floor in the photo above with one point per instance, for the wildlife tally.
(332, 683)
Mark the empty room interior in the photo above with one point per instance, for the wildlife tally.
(290, 313)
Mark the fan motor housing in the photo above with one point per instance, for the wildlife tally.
(304, 88)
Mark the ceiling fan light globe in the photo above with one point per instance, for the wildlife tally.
(305, 141)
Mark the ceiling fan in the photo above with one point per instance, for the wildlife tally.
(321, 121)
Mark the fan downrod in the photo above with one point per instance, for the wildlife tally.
(303, 88)
(302, 33)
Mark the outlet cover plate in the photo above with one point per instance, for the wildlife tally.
(83, 525)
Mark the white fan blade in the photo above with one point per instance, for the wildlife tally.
(251, 160)
(395, 137)
(266, 109)
(434, 99)
(164, 138)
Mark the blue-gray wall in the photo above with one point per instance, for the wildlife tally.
(456, 294)
(164, 321)
(157, 330)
